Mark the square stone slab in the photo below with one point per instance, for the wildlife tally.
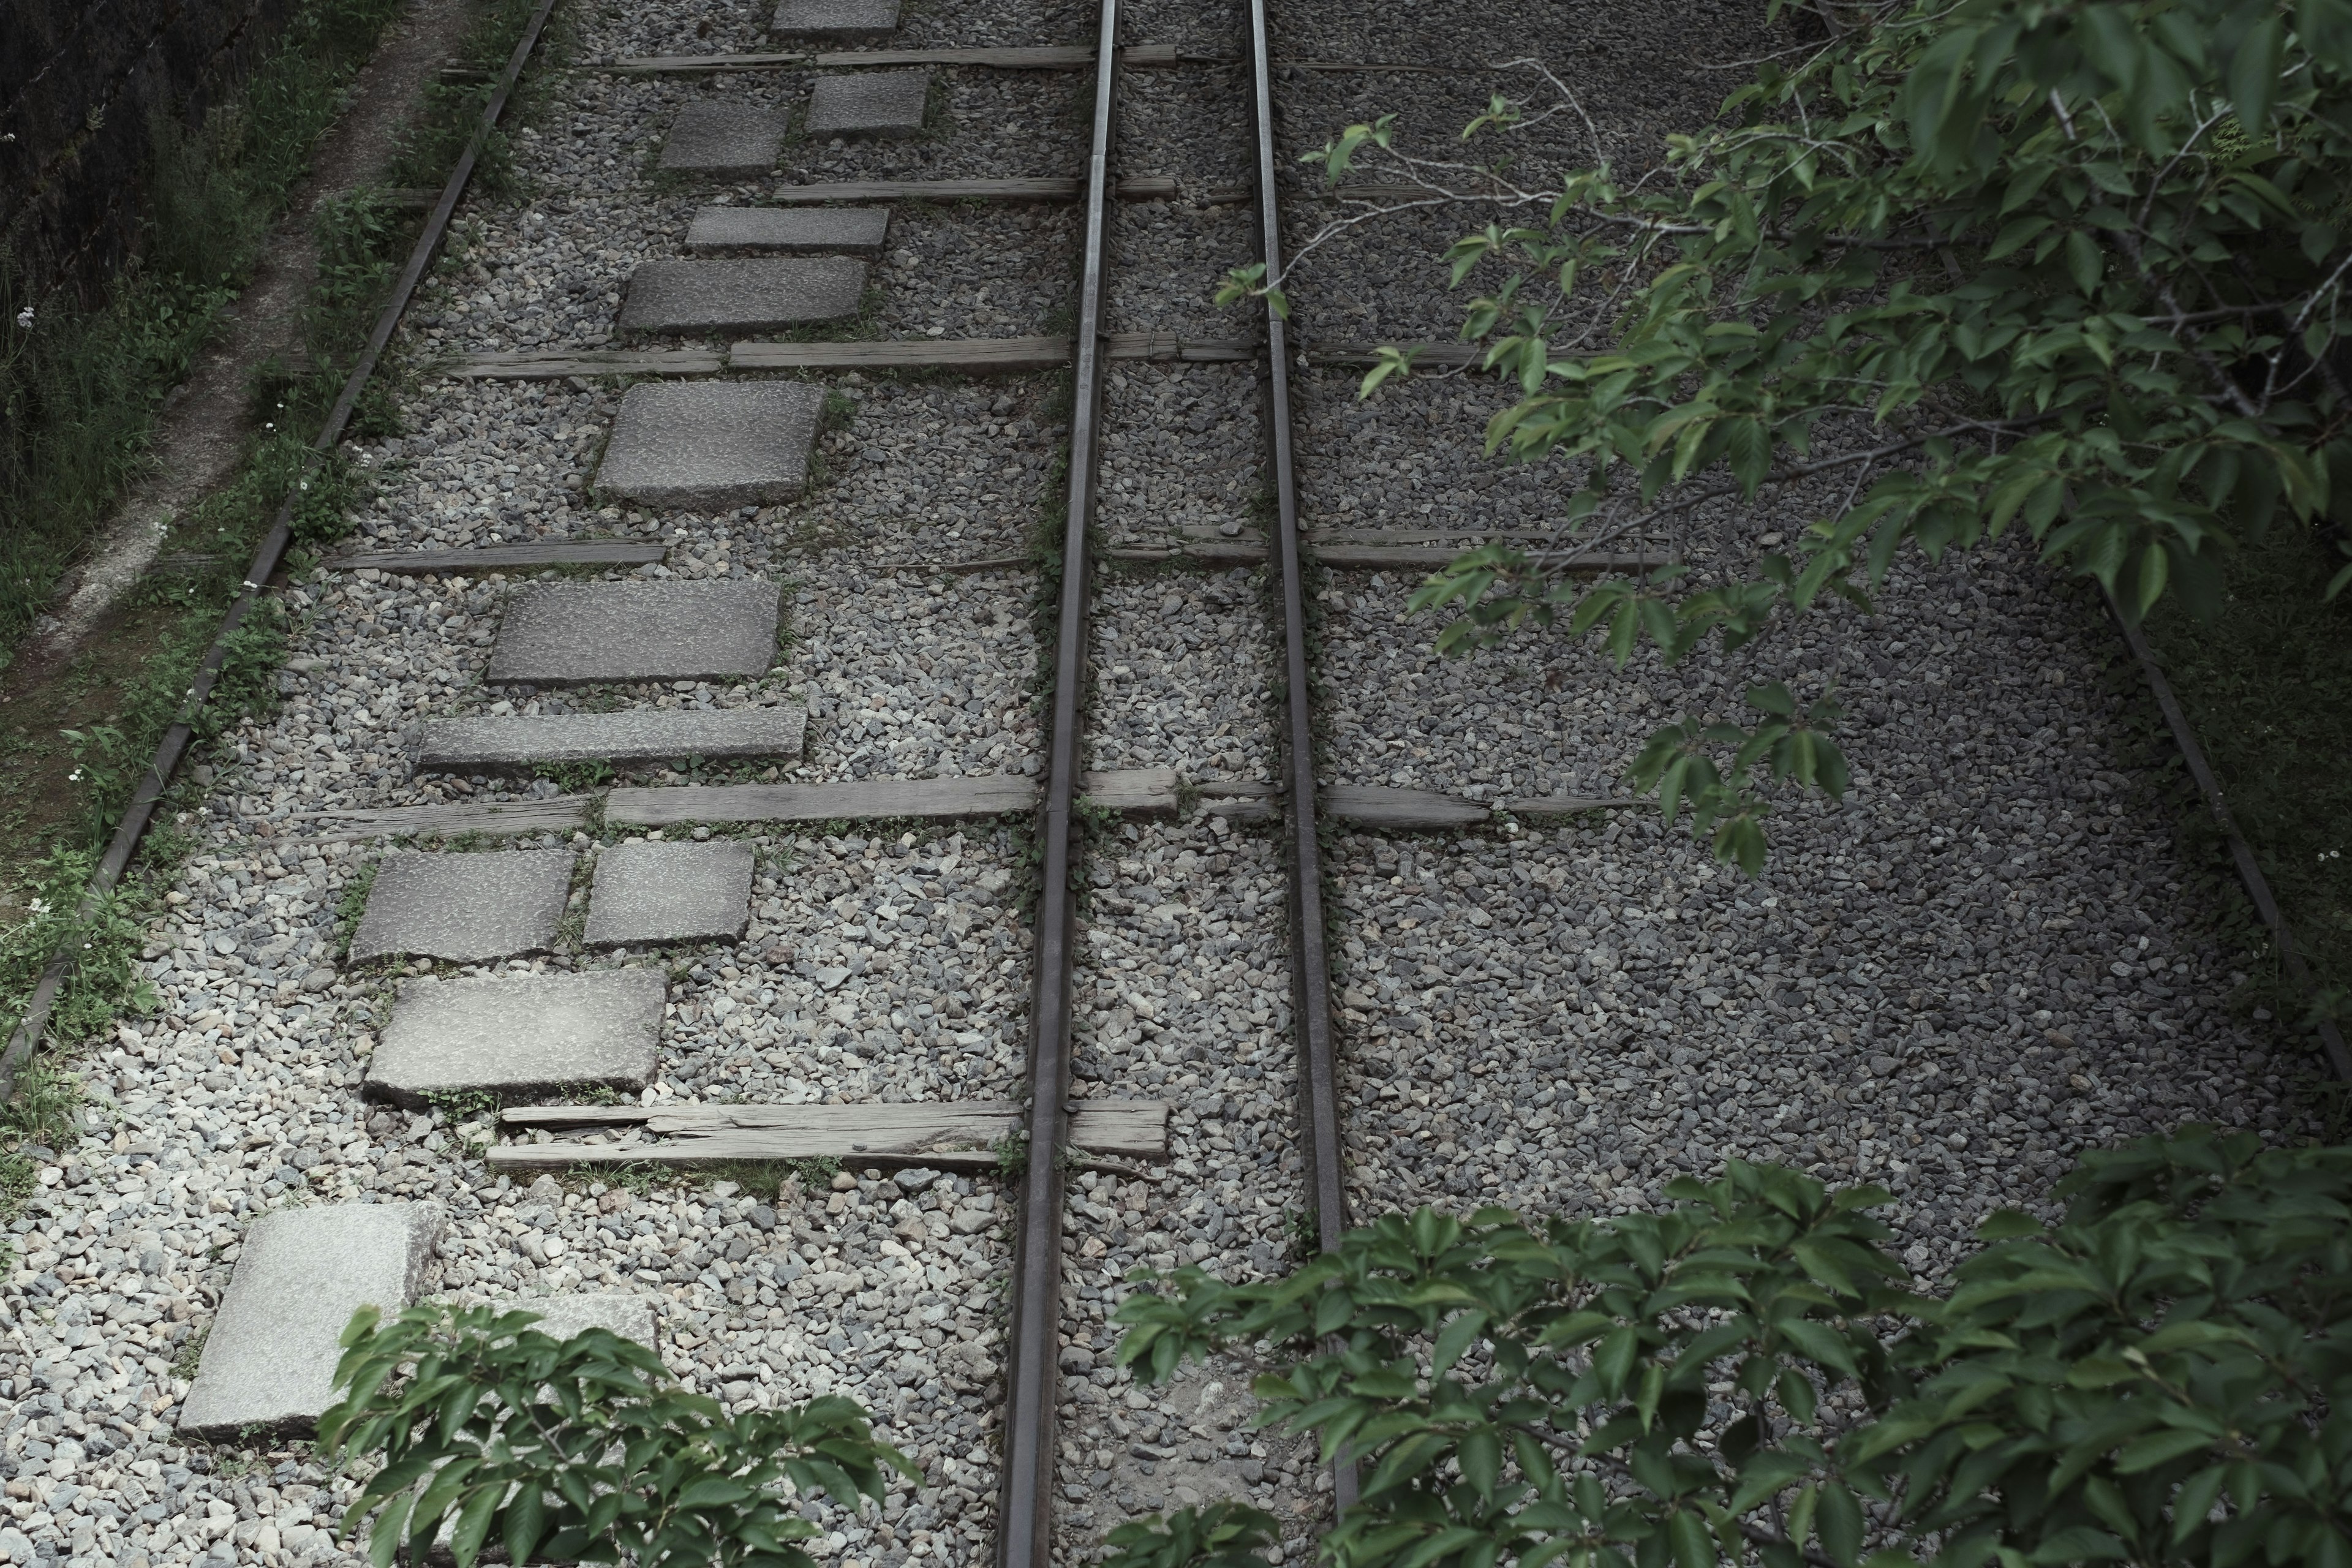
(850, 231)
(621, 1312)
(869, 103)
(749, 294)
(846, 19)
(637, 735)
(711, 445)
(647, 893)
(512, 1036)
(740, 139)
(468, 909)
(559, 633)
(270, 1362)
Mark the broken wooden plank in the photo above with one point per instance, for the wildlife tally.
(1377, 192)
(1238, 800)
(1360, 557)
(843, 799)
(536, 365)
(497, 818)
(1145, 791)
(1425, 356)
(1374, 805)
(1170, 346)
(949, 1134)
(1566, 805)
(1146, 188)
(1032, 58)
(1137, 792)
(1382, 557)
(979, 356)
(502, 557)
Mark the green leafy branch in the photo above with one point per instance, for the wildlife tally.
(578, 1450)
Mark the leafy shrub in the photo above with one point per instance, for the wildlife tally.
(2163, 1377)
(578, 1450)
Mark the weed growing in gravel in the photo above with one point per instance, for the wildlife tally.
(352, 907)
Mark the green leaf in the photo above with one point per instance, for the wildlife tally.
(2254, 73)
(2084, 261)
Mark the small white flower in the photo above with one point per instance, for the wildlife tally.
(37, 906)
(24, 319)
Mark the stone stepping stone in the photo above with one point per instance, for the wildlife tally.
(569, 633)
(869, 103)
(518, 1036)
(468, 909)
(712, 445)
(751, 294)
(649, 893)
(268, 1364)
(740, 139)
(644, 736)
(621, 1312)
(850, 231)
(843, 19)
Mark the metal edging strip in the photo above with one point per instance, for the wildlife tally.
(174, 744)
(1025, 1535)
(2250, 870)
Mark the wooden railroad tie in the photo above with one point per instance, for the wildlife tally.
(952, 1135)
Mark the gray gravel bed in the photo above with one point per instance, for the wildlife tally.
(742, 27)
(1413, 456)
(1193, 122)
(1563, 1020)
(1181, 675)
(1211, 27)
(1181, 993)
(1166, 259)
(1180, 452)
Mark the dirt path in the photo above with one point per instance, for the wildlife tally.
(202, 428)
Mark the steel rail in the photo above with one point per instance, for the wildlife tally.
(141, 811)
(1025, 1535)
(1310, 967)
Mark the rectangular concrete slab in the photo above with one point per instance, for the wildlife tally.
(841, 19)
(646, 735)
(514, 1035)
(569, 633)
(740, 139)
(625, 1313)
(847, 231)
(755, 293)
(468, 909)
(711, 445)
(647, 893)
(269, 1360)
(868, 104)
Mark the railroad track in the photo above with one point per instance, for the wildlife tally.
(704, 756)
